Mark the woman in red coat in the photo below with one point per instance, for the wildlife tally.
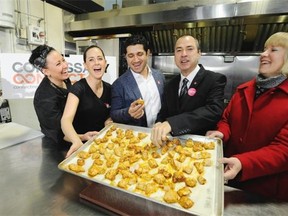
(254, 126)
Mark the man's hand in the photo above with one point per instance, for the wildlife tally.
(136, 110)
(159, 133)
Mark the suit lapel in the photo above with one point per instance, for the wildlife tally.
(132, 85)
(158, 81)
(194, 84)
(174, 92)
(198, 78)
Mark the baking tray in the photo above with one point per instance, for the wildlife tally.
(208, 198)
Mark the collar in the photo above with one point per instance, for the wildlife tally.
(191, 75)
(138, 76)
(283, 86)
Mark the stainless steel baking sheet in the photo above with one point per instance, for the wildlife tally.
(208, 198)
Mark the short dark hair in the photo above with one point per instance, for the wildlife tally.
(39, 55)
(134, 40)
(90, 47)
(196, 41)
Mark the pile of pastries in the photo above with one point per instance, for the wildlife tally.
(127, 159)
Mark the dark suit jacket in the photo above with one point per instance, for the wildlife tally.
(124, 91)
(196, 114)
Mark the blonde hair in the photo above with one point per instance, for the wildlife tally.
(280, 39)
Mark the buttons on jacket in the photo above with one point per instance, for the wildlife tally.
(185, 131)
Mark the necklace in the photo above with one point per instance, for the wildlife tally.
(62, 91)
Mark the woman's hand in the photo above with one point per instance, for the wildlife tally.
(74, 147)
(232, 167)
(88, 135)
(215, 134)
(83, 137)
(108, 121)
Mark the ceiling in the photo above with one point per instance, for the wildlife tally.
(76, 6)
(221, 26)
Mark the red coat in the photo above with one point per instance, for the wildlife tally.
(256, 132)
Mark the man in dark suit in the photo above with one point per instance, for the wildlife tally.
(139, 81)
(195, 105)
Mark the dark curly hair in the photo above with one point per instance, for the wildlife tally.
(134, 40)
(39, 55)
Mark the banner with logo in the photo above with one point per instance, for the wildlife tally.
(19, 79)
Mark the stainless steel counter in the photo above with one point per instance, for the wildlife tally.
(13, 133)
(31, 184)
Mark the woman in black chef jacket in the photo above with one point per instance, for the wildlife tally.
(50, 96)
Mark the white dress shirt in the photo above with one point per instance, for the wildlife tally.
(190, 78)
(150, 94)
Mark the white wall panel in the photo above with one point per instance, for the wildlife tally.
(31, 12)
